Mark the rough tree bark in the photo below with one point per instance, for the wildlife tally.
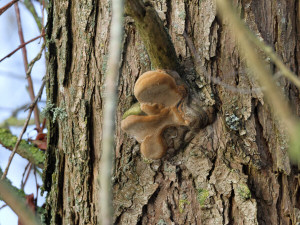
(236, 170)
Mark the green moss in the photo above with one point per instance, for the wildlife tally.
(135, 109)
(203, 194)
(182, 203)
(7, 139)
(147, 161)
(244, 192)
(25, 149)
(20, 193)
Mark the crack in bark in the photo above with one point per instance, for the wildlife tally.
(279, 199)
(69, 44)
(261, 142)
(230, 208)
(150, 201)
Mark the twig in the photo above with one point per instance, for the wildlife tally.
(21, 46)
(7, 6)
(23, 130)
(45, 3)
(27, 176)
(23, 175)
(25, 61)
(10, 198)
(38, 56)
(154, 35)
(17, 110)
(109, 112)
(37, 185)
(3, 206)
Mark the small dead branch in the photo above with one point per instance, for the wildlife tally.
(21, 46)
(23, 130)
(3, 206)
(7, 6)
(109, 112)
(154, 35)
(36, 184)
(38, 56)
(27, 176)
(25, 61)
(10, 198)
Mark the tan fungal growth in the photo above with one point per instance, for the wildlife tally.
(159, 97)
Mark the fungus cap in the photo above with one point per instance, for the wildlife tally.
(142, 126)
(159, 97)
(157, 87)
(154, 147)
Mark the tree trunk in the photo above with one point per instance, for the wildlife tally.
(236, 170)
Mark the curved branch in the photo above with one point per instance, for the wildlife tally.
(11, 198)
(154, 35)
(26, 150)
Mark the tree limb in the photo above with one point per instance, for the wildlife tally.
(154, 35)
(11, 198)
(25, 149)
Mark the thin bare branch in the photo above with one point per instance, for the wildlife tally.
(7, 6)
(27, 176)
(38, 56)
(23, 175)
(156, 38)
(3, 206)
(36, 185)
(23, 130)
(25, 61)
(21, 46)
(109, 114)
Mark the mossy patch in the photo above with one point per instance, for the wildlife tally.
(244, 192)
(182, 204)
(202, 195)
(25, 149)
(135, 109)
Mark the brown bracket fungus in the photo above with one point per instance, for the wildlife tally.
(160, 99)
